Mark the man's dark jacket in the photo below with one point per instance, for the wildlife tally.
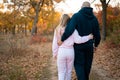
(85, 22)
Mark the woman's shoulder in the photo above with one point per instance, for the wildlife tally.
(59, 30)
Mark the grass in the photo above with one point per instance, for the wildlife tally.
(21, 61)
(32, 62)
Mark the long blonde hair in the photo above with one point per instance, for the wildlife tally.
(63, 22)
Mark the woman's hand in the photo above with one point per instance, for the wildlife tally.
(55, 57)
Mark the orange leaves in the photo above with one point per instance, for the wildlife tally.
(44, 39)
(39, 39)
(108, 60)
(42, 25)
(46, 24)
(112, 14)
(57, 1)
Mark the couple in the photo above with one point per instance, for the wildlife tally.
(67, 41)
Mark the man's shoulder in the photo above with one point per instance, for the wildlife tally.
(76, 15)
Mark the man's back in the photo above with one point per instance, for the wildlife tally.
(86, 24)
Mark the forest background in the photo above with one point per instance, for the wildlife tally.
(26, 32)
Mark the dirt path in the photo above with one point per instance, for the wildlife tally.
(54, 76)
(36, 63)
(53, 69)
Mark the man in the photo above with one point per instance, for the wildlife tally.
(85, 22)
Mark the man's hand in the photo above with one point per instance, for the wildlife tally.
(95, 49)
(60, 42)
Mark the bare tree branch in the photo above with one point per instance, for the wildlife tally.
(102, 1)
(41, 4)
(93, 1)
(108, 2)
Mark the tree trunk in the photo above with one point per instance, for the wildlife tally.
(104, 19)
(37, 9)
(13, 30)
(6, 31)
(18, 31)
(25, 29)
(34, 28)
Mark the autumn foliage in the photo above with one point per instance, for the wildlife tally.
(113, 25)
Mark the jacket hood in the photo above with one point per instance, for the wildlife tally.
(87, 12)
